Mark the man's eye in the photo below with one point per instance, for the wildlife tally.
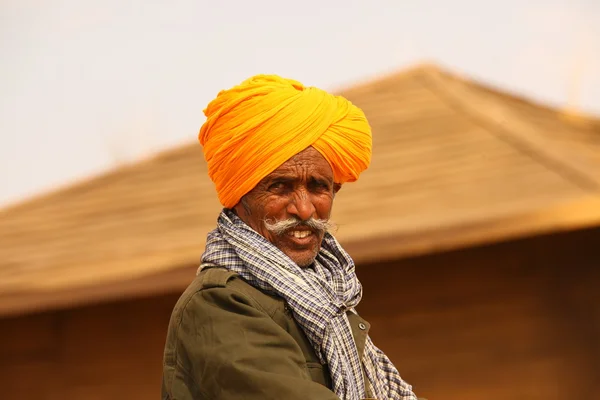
(320, 185)
(277, 186)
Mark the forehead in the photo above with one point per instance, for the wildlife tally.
(307, 161)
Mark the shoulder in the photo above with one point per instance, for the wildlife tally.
(221, 287)
(216, 299)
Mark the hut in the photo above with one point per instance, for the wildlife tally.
(475, 230)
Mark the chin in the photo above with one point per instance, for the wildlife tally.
(304, 262)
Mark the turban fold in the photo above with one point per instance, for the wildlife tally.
(253, 128)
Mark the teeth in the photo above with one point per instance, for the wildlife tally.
(300, 234)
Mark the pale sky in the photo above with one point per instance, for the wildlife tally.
(88, 84)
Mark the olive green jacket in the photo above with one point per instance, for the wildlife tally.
(228, 340)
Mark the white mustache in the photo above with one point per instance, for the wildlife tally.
(280, 227)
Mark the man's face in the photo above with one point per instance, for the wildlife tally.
(302, 188)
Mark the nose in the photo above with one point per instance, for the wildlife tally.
(301, 205)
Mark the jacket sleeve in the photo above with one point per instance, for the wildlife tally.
(228, 348)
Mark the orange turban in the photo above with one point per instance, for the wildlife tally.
(253, 128)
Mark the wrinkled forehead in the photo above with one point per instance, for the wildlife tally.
(308, 161)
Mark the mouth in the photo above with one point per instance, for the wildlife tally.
(301, 237)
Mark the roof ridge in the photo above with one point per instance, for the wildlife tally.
(427, 68)
(381, 76)
(459, 93)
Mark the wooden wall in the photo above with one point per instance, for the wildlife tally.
(517, 320)
(111, 351)
(511, 321)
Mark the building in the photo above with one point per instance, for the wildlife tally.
(475, 232)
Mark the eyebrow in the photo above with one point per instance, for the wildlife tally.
(280, 178)
(288, 178)
(321, 179)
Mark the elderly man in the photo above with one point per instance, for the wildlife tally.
(271, 312)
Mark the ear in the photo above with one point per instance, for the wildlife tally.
(238, 209)
(242, 209)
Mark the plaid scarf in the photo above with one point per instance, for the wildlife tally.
(318, 297)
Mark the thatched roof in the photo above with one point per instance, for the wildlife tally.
(454, 164)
